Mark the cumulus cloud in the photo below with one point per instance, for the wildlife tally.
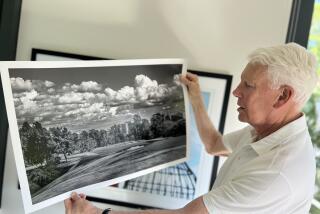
(21, 84)
(147, 89)
(49, 84)
(95, 108)
(176, 79)
(90, 110)
(26, 102)
(101, 96)
(110, 93)
(87, 96)
(125, 94)
(144, 81)
(66, 87)
(71, 97)
(87, 86)
(31, 95)
(51, 90)
(113, 110)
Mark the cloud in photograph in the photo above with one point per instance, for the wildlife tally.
(69, 103)
(19, 84)
(84, 86)
(87, 86)
(71, 97)
(146, 92)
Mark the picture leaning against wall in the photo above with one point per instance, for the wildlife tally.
(84, 125)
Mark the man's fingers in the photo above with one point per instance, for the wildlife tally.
(74, 196)
(67, 203)
(191, 76)
(68, 206)
(188, 79)
(184, 80)
(83, 196)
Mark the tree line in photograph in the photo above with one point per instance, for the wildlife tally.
(46, 151)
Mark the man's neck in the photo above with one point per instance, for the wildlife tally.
(268, 128)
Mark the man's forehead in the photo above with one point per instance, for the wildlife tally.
(254, 72)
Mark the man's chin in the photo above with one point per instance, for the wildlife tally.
(242, 118)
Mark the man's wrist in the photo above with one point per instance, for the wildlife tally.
(99, 211)
(197, 103)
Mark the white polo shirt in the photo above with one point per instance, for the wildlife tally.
(273, 175)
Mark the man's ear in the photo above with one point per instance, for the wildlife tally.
(286, 93)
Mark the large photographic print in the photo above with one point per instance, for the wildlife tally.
(79, 124)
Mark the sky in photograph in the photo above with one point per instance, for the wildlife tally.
(96, 97)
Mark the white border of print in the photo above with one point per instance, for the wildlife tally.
(14, 132)
(216, 97)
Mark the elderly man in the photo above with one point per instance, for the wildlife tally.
(271, 165)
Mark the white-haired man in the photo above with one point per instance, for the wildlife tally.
(271, 165)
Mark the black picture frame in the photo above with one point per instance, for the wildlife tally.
(36, 52)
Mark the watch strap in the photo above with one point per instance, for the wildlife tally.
(106, 211)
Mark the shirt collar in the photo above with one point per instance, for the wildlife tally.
(280, 136)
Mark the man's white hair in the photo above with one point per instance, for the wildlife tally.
(289, 64)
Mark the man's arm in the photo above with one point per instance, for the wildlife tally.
(209, 135)
(77, 204)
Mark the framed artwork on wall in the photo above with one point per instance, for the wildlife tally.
(49, 55)
(177, 185)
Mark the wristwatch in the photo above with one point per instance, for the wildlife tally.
(106, 211)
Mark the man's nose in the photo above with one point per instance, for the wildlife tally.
(236, 91)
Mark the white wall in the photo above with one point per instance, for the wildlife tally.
(213, 35)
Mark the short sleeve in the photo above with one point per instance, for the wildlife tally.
(232, 140)
(259, 192)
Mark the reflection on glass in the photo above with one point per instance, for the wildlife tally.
(312, 108)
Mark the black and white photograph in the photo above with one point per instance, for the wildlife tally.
(80, 126)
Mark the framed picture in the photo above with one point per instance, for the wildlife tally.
(49, 55)
(77, 126)
(177, 185)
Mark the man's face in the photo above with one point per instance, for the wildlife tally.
(255, 98)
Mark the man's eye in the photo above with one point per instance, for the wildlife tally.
(247, 85)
